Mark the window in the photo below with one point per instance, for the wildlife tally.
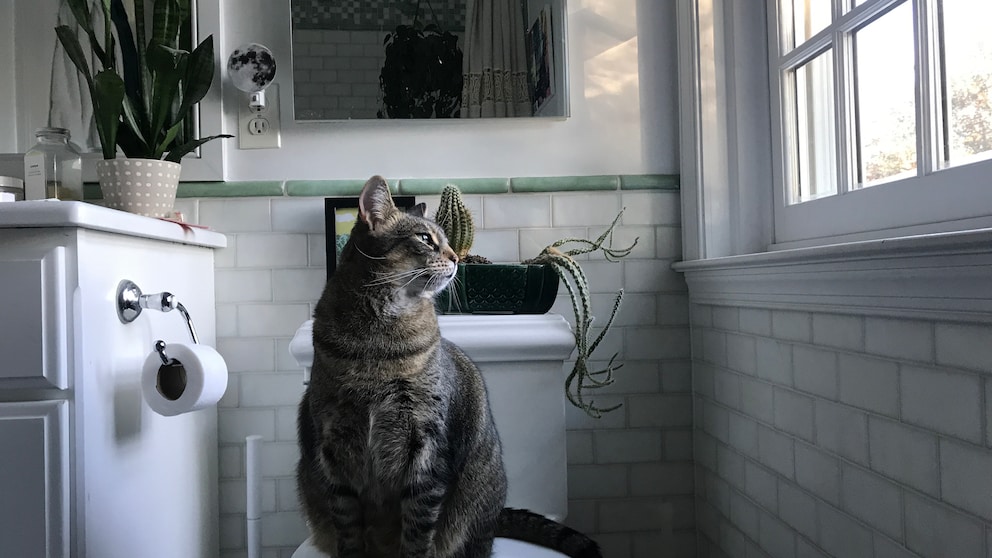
(884, 123)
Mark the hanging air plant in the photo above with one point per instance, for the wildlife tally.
(531, 287)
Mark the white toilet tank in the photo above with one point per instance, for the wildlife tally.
(521, 358)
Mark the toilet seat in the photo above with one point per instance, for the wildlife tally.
(502, 548)
(509, 548)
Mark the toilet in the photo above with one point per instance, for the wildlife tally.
(521, 358)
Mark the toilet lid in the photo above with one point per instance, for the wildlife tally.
(502, 548)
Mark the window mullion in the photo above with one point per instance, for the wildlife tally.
(929, 120)
(840, 7)
(786, 36)
(843, 106)
(844, 112)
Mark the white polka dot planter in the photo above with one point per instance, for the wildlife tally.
(143, 186)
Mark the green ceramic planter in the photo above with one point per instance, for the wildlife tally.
(500, 289)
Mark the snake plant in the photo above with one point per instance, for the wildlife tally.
(143, 102)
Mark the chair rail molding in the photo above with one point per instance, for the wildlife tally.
(945, 276)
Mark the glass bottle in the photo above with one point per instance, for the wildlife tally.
(53, 167)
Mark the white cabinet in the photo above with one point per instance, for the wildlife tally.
(33, 292)
(87, 469)
(33, 479)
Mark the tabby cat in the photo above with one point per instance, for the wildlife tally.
(399, 456)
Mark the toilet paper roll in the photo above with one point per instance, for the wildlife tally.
(196, 377)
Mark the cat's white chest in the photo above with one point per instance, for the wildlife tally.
(387, 446)
(396, 446)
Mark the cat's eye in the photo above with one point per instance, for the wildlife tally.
(427, 239)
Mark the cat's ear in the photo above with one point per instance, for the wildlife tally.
(375, 205)
(419, 210)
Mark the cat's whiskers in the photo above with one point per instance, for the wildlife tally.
(438, 282)
(368, 256)
(429, 287)
(389, 278)
(385, 278)
(421, 273)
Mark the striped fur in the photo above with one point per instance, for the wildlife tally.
(399, 456)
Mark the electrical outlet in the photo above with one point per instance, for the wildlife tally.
(259, 129)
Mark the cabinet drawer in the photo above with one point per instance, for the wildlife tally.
(34, 479)
(34, 347)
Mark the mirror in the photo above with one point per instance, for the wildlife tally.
(423, 59)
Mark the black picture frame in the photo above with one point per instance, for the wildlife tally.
(344, 208)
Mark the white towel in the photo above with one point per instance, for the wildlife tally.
(70, 106)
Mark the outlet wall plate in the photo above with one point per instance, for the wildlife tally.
(259, 129)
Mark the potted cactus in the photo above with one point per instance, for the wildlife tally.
(484, 287)
(530, 288)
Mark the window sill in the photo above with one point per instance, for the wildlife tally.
(946, 276)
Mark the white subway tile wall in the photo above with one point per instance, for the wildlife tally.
(338, 72)
(630, 472)
(857, 435)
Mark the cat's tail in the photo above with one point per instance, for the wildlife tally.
(527, 526)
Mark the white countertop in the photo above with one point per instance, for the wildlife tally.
(55, 213)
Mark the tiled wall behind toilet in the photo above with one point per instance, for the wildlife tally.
(630, 476)
(820, 434)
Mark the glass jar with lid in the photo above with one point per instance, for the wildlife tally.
(53, 167)
(11, 189)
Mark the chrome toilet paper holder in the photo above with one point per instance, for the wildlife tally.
(160, 349)
(131, 301)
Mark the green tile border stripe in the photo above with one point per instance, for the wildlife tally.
(416, 186)
(236, 189)
(649, 182)
(565, 183)
(331, 187)
(434, 186)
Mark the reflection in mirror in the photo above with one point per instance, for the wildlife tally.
(403, 59)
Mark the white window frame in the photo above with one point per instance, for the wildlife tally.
(935, 200)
